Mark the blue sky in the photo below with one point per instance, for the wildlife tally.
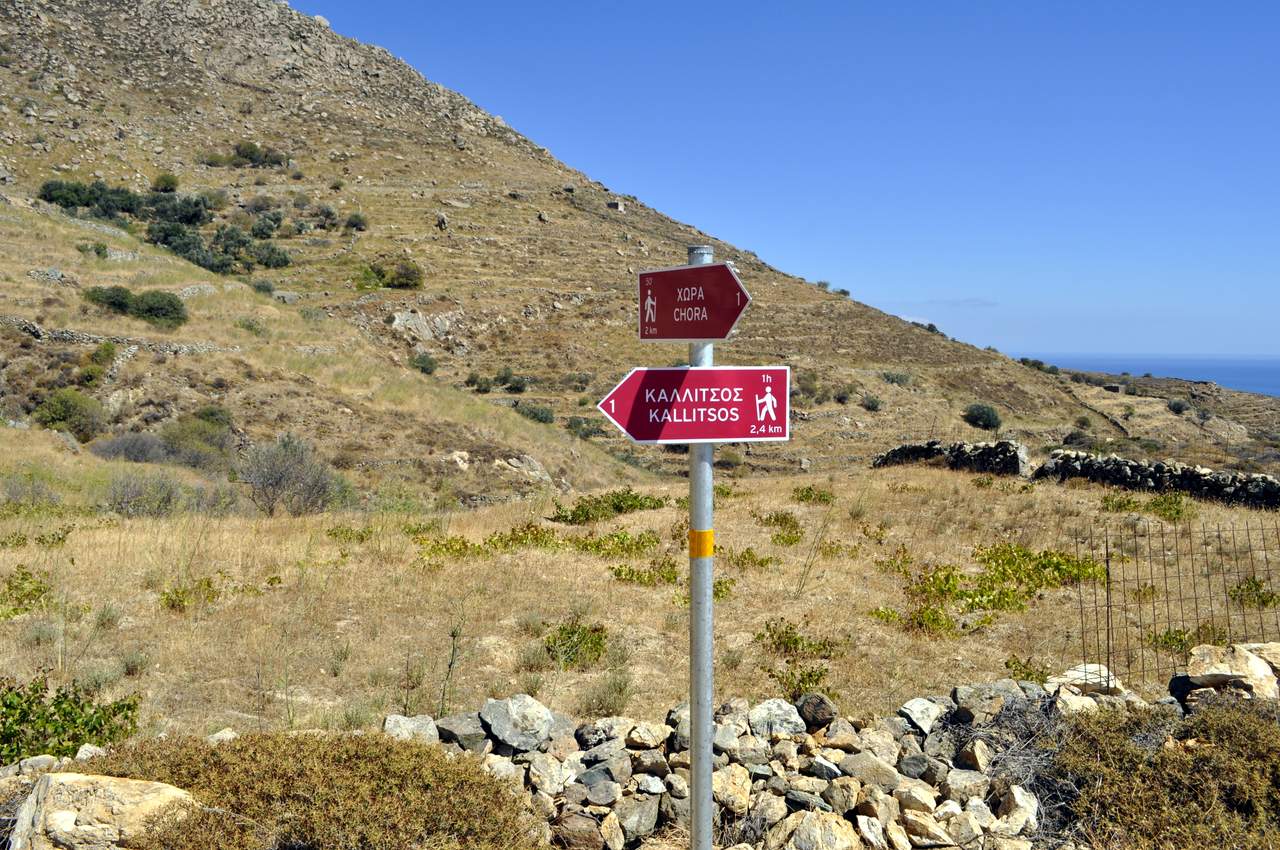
(1042, 177)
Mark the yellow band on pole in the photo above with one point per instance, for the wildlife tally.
(702, 544)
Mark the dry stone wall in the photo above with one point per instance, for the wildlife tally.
(1239, 488)
(1001, 457)
(1006, 457)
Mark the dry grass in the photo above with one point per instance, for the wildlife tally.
(294, 623)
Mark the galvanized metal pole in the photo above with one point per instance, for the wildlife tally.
(701, 548)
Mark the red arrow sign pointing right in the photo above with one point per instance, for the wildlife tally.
(690, 303)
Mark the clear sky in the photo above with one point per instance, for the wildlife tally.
(1042, 177)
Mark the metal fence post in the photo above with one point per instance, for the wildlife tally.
(701, 549)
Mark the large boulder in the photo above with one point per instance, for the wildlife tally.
(1214, 666)
(814, 831)
(731, 787)
(72, 811)
(775, 717)
(420, 727)
(520, 722)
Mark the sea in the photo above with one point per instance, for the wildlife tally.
(1258, 374)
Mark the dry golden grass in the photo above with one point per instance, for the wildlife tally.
(311, 630)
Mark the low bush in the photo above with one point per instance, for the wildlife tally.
(593, 508)
(400, 274)
(134, 447)
(22, 590)
(900, 379)
(270, 256)
(1178, 407)
(607, 696)
(309, 791)
(982, 416)
(36, 719)
(784, 639)
(1149, 780)
(811, 495)
(536, 412)
(165, 182)
(246, 154)
(133, 495)
(576, 645)
(870, 403)
(287, 473)
(357, 221)
(161, 309)
(72, 411)
(424, 363)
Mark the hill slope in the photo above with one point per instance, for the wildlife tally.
(521, 253)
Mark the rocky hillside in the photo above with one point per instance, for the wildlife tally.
(368, 166)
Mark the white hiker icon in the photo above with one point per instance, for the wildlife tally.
(766, 406)
(650, 307)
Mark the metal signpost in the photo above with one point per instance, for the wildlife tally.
(700, 406)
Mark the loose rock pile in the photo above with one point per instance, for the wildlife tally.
(1240, 488)
(946, 771)
(1002, 457)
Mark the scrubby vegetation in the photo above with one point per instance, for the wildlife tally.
(287, 473)
(324, 791)
(982, 416)
(246, 154)
(1149, 780)
(70, 410)
(161, 309)
(402, 273)
(36, 718)
(593, 508)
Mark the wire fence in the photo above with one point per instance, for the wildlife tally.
(1170, 588)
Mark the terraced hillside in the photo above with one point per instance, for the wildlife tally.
(528, 264)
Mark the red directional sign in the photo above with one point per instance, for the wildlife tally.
(717, 404)
(690, 303)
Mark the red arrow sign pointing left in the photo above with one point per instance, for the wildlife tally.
(718, 404)
(690, 303)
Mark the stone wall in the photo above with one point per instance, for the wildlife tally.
(1238, 488)
(1006, 457)
(1002, 457)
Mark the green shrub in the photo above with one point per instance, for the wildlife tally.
(117, 299)
(1171, 507)
(165, 182)
(784, 639)
(357, 221)
(72, 411)
(584, 427)
(899, 378)
(424, 363)
(270, 256)
(36, 719)
(796, 679)
(1252, 592)
(162, 309)
(311, 791)
(263, 287)
(574, 644)
(97, 249)
(870, 403)
(1178, 406)
(593, 508)
(982, 416)
(22, 591)
(811, 495)
(660, 571)
(538, 413)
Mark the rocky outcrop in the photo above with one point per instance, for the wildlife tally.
(1001, 457)
(72, 811)
(1237, 488)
